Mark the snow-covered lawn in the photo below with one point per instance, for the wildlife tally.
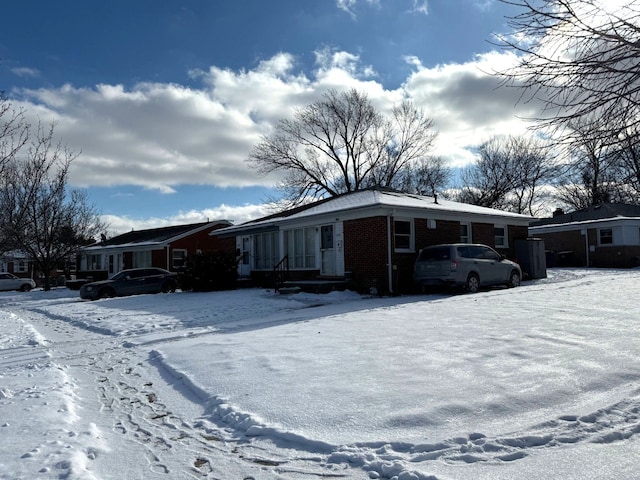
(541, 381)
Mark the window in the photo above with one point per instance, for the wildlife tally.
(489, 254)
(246, 250)
(142, 259)
(300, 245)
(403, 235)
(266, 248)
(20, 266)
(606, 236)
(501, 236)
(465, 233)
(94, 262)
(179, 258)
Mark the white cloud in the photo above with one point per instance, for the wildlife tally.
(421, 6)
(159, 135)
(466, 103)
(25, 72)
(349, 5)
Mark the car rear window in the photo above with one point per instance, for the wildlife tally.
(434, 254)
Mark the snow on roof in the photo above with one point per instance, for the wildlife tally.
(381, 199)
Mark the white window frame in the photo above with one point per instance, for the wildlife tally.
(302, 254)
(466, 238)
(20, 266)
(600, 236)
(411, 236)
(94, 261)
(504, 236)
(266, 250)
(182, 258)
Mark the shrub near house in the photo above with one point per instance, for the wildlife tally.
(206, 272)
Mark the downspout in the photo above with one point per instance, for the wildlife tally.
(389, 258)
(586, 245)
(168, 247)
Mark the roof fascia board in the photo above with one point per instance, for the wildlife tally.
(604, 222)
(127, 247)
(375, 210)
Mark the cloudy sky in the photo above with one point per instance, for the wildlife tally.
(165, 99)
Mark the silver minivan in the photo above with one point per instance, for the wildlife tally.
(464, 264)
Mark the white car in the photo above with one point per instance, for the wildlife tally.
(8, 281)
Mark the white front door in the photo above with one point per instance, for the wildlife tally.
(327, 250)
(244, 263)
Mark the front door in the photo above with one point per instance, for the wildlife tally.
(244, 263)
(327, 251)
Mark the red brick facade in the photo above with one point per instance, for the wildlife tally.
(569, 249)
(366, 253)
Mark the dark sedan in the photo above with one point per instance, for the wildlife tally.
(135, 281)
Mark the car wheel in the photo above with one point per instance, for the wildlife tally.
(514, 279)
(473, 283)
(25, 288)
(106, 293)
(168, 287)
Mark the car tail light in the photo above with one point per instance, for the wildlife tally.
(455, 264)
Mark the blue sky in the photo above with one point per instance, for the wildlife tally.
(164, 99)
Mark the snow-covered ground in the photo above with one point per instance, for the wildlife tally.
(537, 382)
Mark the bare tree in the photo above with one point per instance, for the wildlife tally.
(14, 131)
(581, 58)
(40, 215)
(508, 174)
(427, 176)
(597, 171)
(629, 158)
(340, 144)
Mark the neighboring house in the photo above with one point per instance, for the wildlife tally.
(370, 237)
(605, 235)
(166, 247)
(18, 263)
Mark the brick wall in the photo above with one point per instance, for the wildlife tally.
(205, 242)
(365, 243)
(365, 252)
(615, 257)
(569, 249)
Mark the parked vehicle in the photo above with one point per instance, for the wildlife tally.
(467, 265)
(9, 281)
(135, 281)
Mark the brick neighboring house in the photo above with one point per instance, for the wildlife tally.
(18, 263)
(370, 237)
(166, 247)
(605, 235)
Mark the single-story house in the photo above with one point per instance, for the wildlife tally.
(166, 247)
(18, 263)
(369, 237)
(605, 235)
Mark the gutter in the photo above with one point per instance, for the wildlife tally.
(389, 258)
